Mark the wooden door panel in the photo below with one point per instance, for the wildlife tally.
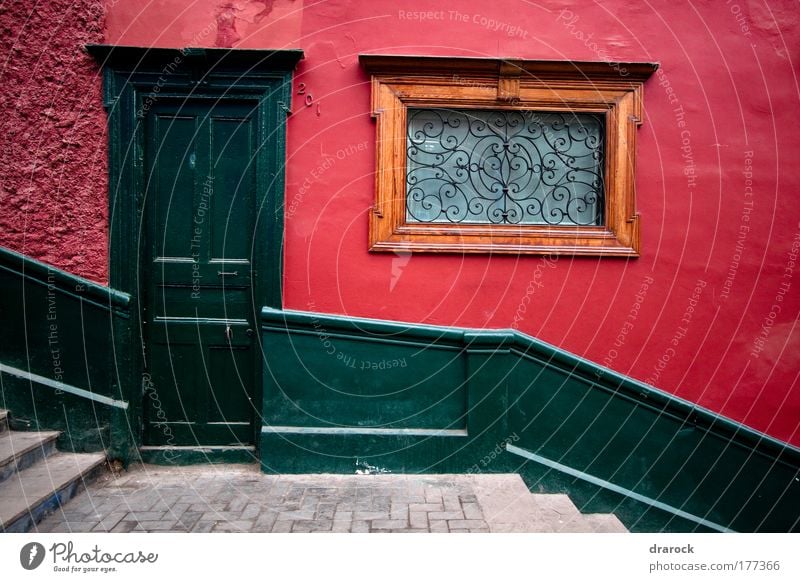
(203, 383)
(233, 202)
(206, 302)
(172, 175)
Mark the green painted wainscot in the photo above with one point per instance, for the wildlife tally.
(63, 353)
(344, 394)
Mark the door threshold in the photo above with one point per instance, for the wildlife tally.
(198, 454)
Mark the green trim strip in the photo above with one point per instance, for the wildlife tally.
(192, 455)
(55, 384)
(615, 488)
(33, 270)
(364, 430)
(199, 449)
(283, 319)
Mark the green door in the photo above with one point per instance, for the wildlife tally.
(197, 275)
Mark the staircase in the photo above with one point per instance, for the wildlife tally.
(36, 479)
(509, 507)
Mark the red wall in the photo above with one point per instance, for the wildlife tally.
(53, 156)
(691, 316)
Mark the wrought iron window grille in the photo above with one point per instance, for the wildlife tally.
(504, 167)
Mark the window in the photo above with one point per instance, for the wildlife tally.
(486, 155)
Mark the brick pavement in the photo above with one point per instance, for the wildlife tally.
(239, 498)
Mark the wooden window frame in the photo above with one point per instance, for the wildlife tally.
(612, 89)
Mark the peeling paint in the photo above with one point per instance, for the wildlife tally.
(226, 25)
(364, 468)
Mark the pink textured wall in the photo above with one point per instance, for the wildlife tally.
(708, 312)
(53, 159)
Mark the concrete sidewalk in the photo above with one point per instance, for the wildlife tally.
(239, 498)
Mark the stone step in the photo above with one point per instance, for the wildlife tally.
(509, 506)
(20, 450)
(605, 523)
(3, 420)
(31, 494)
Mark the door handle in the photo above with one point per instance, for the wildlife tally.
(228, 333)
(227, 273)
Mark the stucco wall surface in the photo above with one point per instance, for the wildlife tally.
(53, 158)
(708, 312)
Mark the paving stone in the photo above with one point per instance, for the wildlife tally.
(188, 519)
(369, 515)
(282, 526)
(451, 502)
(163, 504)
(321, 491)
(436, 515)
(251, 511)
(203, 506)
(425, 507)
(203, 526)
(145, 501)
(465, 523)
(409, 498)
(157, 525)
(418, 519)
(238, 503)
(438, 526)
(433, 496)
(309, 503)
(219, 516)
(234, 526)
(294, 495)
(605, 523)
(472, 511)
(48, 526)
(75, 527)
(381, 502)
(359, 526)
(124, 527)
(389, 523)
(144, 515)
(298, 514)
(265, 521)
(90, 508)
(325, 510)
(108, 522)
(313, 526)
(399, 511)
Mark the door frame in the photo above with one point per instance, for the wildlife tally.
(133, 79)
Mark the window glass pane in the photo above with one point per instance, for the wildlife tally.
(504, 167)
